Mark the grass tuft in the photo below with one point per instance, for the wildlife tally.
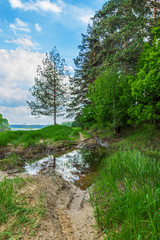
(16, 214)
(126, 196)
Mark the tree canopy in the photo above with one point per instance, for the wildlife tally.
(116, 79)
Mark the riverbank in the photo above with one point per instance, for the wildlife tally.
(128, 174)
(63, 210)
(57, 209)
(18, 147)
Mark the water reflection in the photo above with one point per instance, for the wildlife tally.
(78, 166)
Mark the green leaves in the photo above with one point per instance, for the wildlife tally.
(146, 85)
(3, 123)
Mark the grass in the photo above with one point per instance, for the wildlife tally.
(15, 212)
(126, 197)
(85, 134)
(147, 137)
(33, 137)
(11, 162)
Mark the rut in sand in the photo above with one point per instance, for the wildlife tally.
(69, 215)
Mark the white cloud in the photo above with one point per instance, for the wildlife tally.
(17, 71)
(19, 25)
(38, 27)
(13, 96)
(86, 19)
(21, 39)
(37, 5)
(22, 115)
(24, 42)
(82, 15)
(16, 3)
(70, 69)
(48, 6)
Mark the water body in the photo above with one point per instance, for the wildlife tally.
(24, 129)
(78, 167)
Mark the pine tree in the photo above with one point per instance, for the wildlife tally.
(49, 89)
(86, 71)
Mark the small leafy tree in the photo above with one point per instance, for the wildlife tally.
(3, 123)
(109, 101)
(49, 90)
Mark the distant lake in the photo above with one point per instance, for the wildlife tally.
(26, 127)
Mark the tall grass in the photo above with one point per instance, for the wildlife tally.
(28, 138)
(126, 197)
(8, 203)
(16, 214)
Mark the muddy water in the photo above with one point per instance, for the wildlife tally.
(78, 166)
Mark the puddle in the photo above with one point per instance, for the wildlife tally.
(78, 166)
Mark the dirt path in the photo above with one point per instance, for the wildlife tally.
(69, 215)
(81, 138)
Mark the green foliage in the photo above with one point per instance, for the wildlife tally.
(33, 137)
(86, 118)
(108, 87)
(101, 96)
(126, 196)
(67, 124)
(146, 85)
(77, 121)
(118, 99)
(4, 125)
(109, 98)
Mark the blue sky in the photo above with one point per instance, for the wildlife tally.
(29, 29)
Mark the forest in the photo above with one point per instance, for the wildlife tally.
(117, 78)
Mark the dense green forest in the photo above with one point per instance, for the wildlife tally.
(117, 78)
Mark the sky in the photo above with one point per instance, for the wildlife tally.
(28, 30)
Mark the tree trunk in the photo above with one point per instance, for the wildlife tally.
(155, 12)
(55, 110)
(125, 47)
(114, 108)
(55, 106)
(55, 115)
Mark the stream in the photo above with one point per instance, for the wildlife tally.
(78, 167)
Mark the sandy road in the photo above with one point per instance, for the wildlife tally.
(69, 215)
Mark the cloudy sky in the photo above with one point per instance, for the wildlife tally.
(29, 29)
